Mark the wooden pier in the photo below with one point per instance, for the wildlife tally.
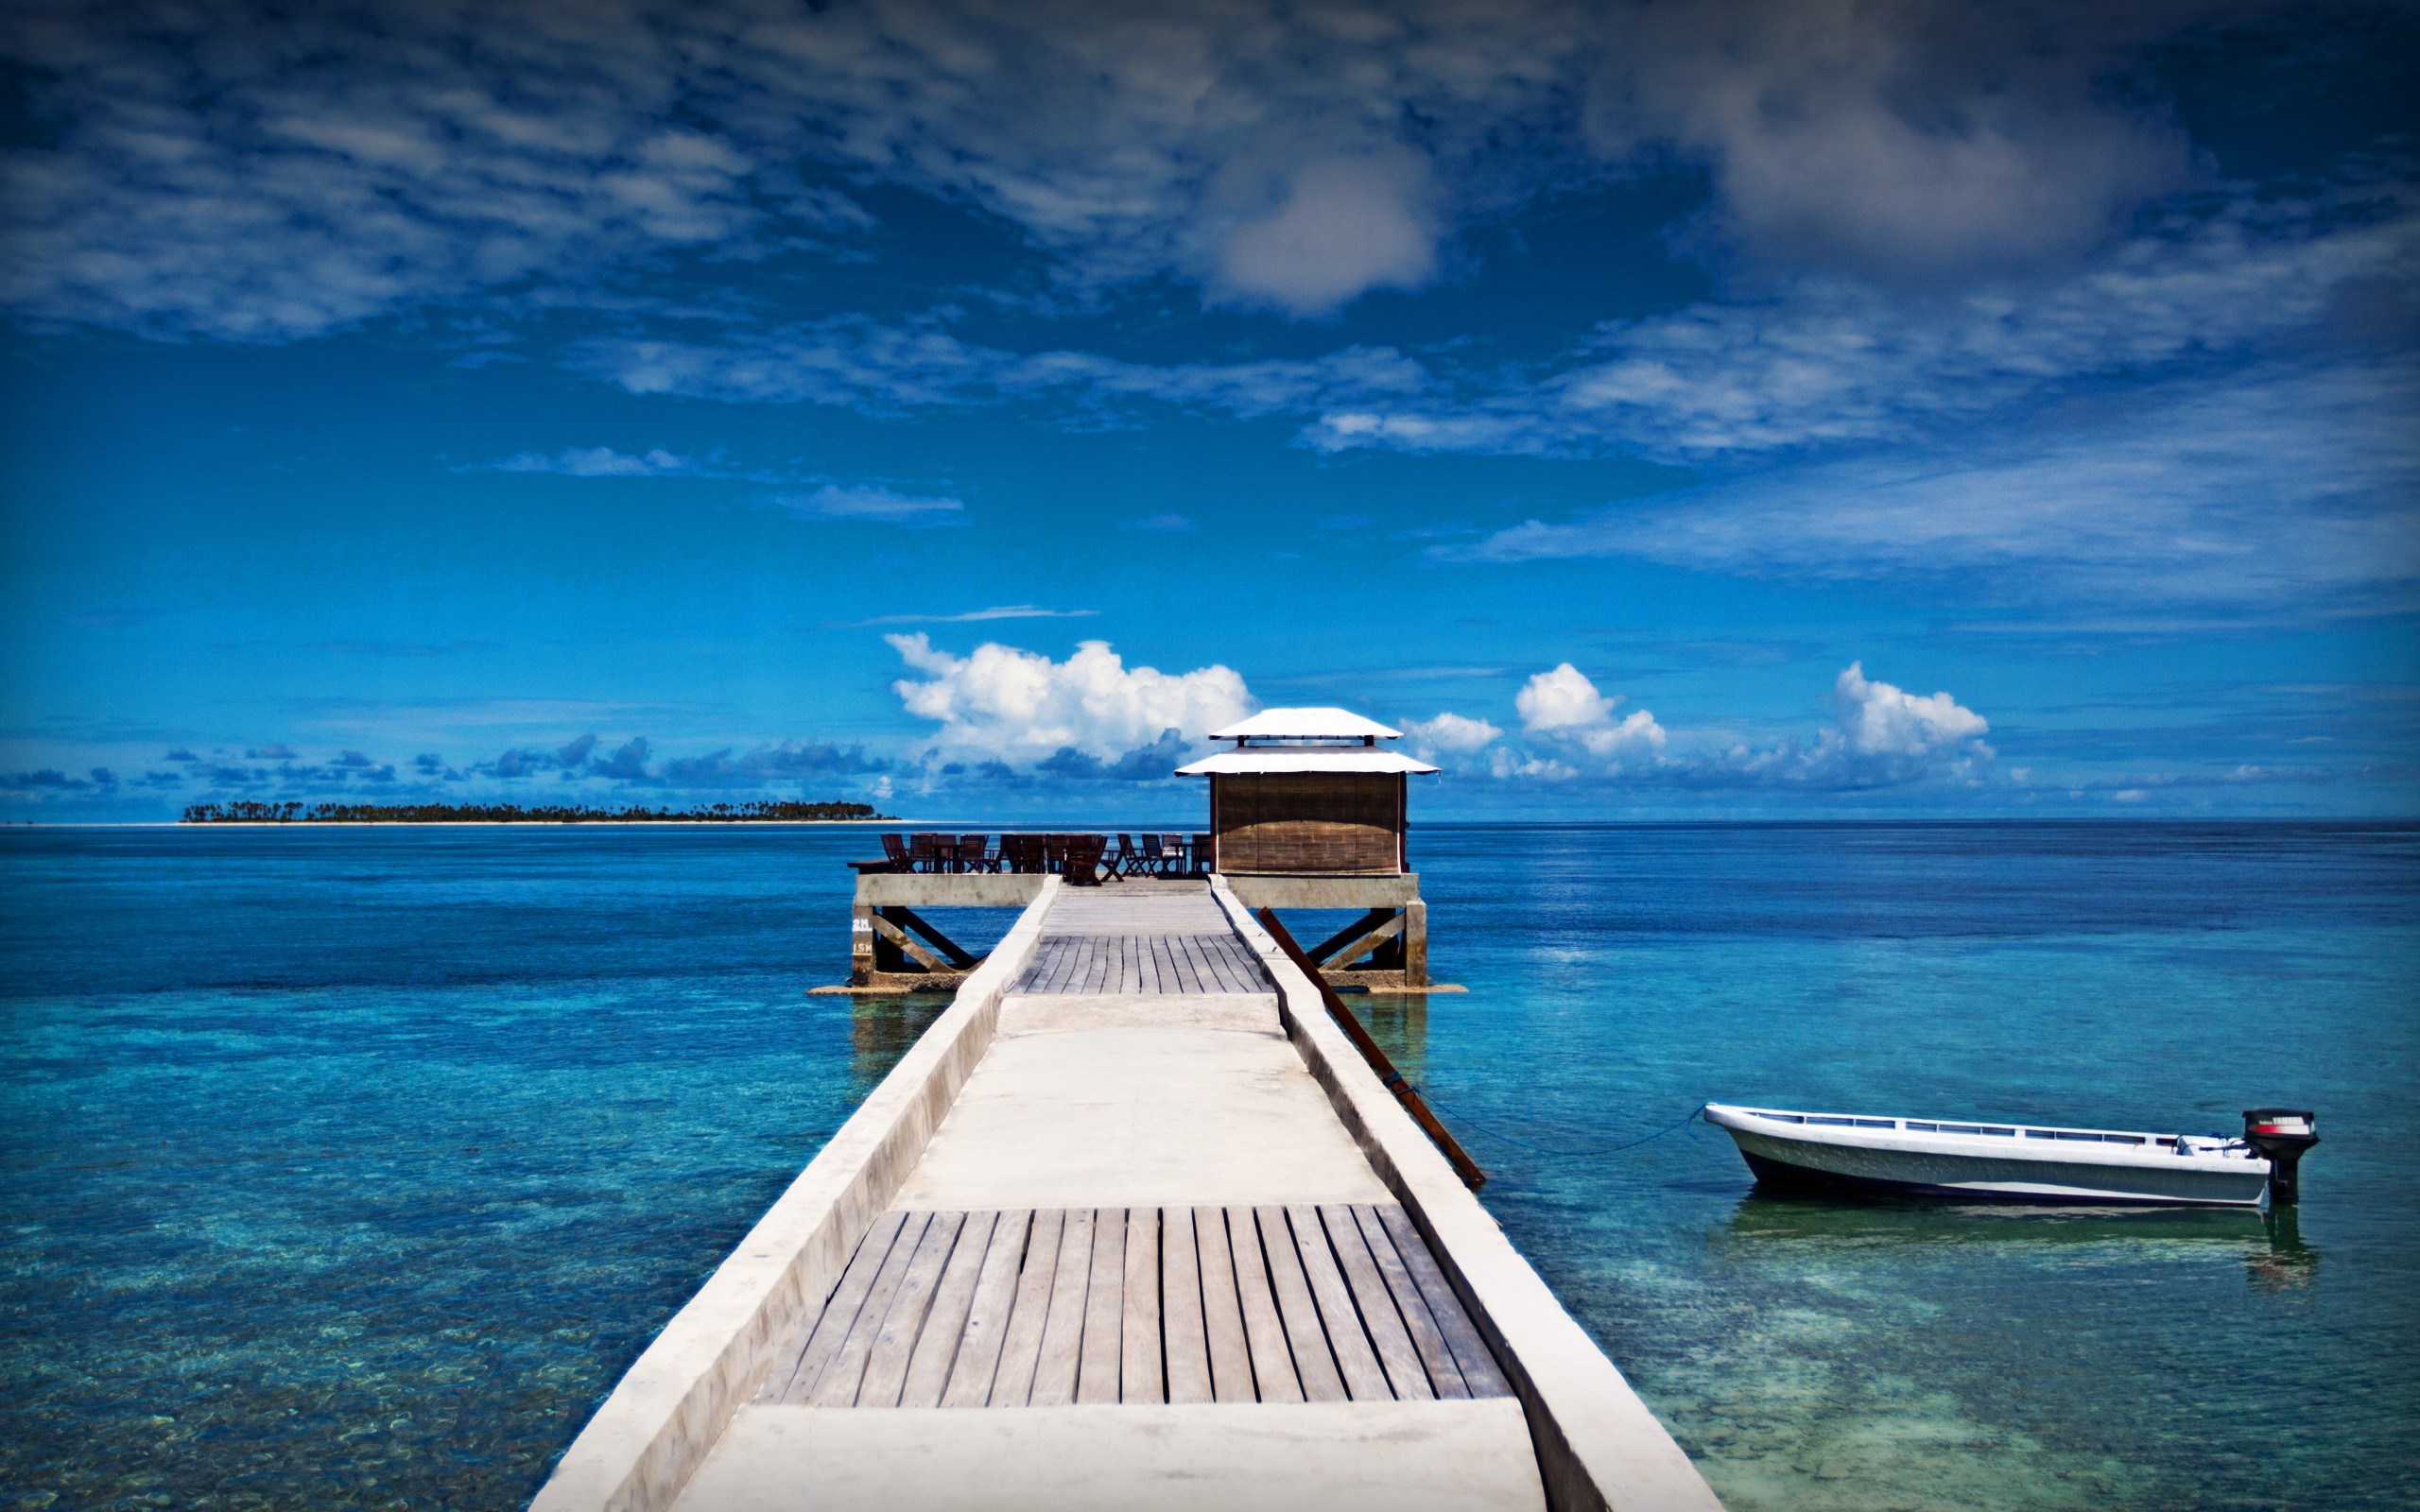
(1130, 1226)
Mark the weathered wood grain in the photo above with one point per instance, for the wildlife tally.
(894, 1343)
(1096, 1378)
(945, 1323)
(1063, 1331)
(1021, 1347)
(1471, 1354)
(1313, 1363)
(1274, 1377)
(1140, 1378)
(1407, 1378)
(987, 1318)
(839, 1311)
(1183, 1323)
(838, 1385)
(1443, 1374)
(1365, 1380)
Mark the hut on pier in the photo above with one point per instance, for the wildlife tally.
(1310, 810)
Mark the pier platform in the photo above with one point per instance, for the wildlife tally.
(1130, 1226)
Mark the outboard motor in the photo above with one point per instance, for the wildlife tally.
(2281, 1134)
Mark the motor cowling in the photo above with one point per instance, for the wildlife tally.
(2282, 1134)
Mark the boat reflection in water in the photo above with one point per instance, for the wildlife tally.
(2269, 1241)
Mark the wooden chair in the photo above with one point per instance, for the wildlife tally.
(925, 853)
(894, 849)
(1128, 861)
(1205, 854)
(1082, 862)
(974, 853)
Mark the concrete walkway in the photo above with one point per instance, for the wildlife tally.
(1143, 1103)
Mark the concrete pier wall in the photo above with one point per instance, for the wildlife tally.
(660, 1421)
(1598, 1446)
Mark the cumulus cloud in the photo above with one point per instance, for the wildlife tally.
(1451, 734)
(873, 503)
(1879, 720)
(1564, 707)
(1880, 736)
(1021, 707)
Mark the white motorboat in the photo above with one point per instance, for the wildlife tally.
(2021, 1162)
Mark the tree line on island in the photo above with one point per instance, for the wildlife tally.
(762, 810)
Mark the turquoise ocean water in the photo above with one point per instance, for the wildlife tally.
(351, 1167)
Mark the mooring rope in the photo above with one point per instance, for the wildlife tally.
(1460, 1117)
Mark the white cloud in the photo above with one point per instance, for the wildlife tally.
(873, 503)
(1165, 524)
(1563, 706)
(1001, 703)
(1880, 736)
(1452, 734)
(1348, 224)
(600, 462)
(1879, 720)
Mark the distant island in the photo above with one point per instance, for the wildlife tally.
(756, 813)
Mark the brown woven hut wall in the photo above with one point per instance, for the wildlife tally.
(1310, 822)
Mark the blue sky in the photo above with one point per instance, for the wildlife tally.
(1782, 409)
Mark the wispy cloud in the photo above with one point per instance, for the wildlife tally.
(599, 462)
(879, 369)
(874, 504)
(972, 616)
(1165, 524)
(1821, 363)
(320, 167)
(2268, 489)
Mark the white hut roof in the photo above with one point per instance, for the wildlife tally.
(1306, 724)
(1260, 760)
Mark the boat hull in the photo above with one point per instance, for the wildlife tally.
(1784, 1163)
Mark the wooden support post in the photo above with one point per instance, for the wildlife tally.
(908, 919)
(1343, 959)
(861, 952)
(1325, 952)
(907, 944)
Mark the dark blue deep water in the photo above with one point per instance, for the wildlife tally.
(350, 1167)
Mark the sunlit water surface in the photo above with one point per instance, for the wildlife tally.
(350, 1168)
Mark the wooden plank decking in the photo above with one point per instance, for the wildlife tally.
(1320, 1302)
(1143, 965)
